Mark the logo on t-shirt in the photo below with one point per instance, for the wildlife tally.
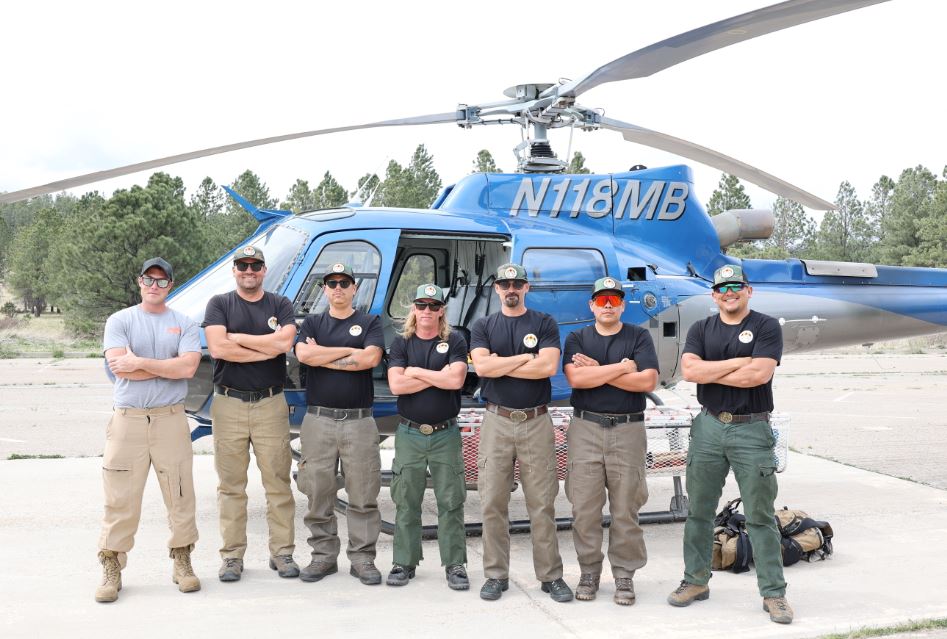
(174, 330)
(442, 347)
(530, 340)
(355, 330)
(273, 323)
(746, 337)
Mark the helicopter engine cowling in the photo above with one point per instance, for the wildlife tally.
(737, 225)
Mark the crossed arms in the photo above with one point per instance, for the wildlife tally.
(740, 372)
(340, 358)
(585, 372)
(242, 348)
(522, 366)
(412, 379)
(126, 365)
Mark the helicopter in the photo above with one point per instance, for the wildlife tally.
(642, 226)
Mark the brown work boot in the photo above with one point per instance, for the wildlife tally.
(182, 573)
(624, 591)
(111, 577)
(366, 572)
(588, 586)
(688, 593)
(778, 608)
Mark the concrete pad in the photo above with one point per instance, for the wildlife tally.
(887, 569)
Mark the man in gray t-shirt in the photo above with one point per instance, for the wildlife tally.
(151, 351)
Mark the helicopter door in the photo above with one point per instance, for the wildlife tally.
(663, 322)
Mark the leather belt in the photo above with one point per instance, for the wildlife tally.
(609, 420)
(340, 414)
(429, 429)
(248, 396)
(725, 417)
(518, 415)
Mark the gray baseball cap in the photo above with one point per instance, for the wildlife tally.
(249, 252)
(430, 292)
(729, 273)
(159, 263)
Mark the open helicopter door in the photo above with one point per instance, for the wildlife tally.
(370, 253)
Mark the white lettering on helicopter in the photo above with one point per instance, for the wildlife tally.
(672, 197)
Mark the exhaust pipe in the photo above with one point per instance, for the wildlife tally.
(738, 225)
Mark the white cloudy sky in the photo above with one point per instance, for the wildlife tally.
(93, 85)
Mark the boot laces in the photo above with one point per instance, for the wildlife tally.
(183, 560)
(623, 583)
(587, 579)
(682, 588)
(231, 562)
(112, 568)
(456, 569)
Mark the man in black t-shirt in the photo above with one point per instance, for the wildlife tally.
(515, 351)
(732, 357)
(610, 366)
(427, 365)
(248, 332)
(340, 346)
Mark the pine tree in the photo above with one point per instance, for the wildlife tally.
(729, 194)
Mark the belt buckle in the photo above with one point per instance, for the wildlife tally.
(426, 429)
(518, 416)
(255, 396)
(725, 417)
(612, 421)
(341, 415)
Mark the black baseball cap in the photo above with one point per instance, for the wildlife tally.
(160, 263)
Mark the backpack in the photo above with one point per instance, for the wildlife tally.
(803, 538)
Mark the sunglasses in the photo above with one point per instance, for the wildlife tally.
(161, 282)
(423, 306)
(516, 284)
(342, 283)
(256, 267)
(602, 300)
(730, 287)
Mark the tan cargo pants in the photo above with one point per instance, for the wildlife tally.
(137, 439)
(532, 443)
(613, 460)
(324, 442)
(264, 425)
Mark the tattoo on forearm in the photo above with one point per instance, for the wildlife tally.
(345, 361)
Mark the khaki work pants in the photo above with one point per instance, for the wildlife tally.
(325, 441)
(502, 441)
(136, 440)
(264, 425)
(607, 459)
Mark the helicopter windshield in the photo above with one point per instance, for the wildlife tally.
(280, 244)
(365, 262)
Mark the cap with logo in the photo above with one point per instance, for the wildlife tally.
(729, 273)
(339, 269)
(511, 272)
(249, 253)
(157, 262)
(607, 284)
(430, 292)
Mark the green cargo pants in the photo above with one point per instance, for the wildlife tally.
(747, 448)
(414, 454)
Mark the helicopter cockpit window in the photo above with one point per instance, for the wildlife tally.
(280, 244)
(365, 261)
(418, 269)
(561, 265)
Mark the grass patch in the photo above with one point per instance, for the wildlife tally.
(910, 626)
(23, 456)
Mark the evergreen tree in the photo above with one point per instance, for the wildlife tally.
(300, 198)
(29, 273)
(208, 200)
(932, 232)
(365, 190)
(577, 164)
(413, 187)
(329, 194)
(911, 202)
(485, 163)
(846, 233)
(729, 194)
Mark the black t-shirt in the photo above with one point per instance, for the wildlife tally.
(341, 389)
(508, 336)
(238, 315)
(631, 342)
(431, 405)
(757, 335)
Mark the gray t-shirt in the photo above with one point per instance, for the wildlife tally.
(155, 336)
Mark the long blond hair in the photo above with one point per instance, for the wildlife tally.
(410, 326)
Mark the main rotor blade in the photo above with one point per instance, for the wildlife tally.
(667, 53)
(725, 163)
(88, 178)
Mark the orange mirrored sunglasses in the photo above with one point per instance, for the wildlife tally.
(602, 300)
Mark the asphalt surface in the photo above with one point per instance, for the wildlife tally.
(878, 415)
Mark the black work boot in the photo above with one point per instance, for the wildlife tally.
(400, 575)
(493, 589)
(558, 590)
(457, 577)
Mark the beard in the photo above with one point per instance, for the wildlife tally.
(511, 299)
